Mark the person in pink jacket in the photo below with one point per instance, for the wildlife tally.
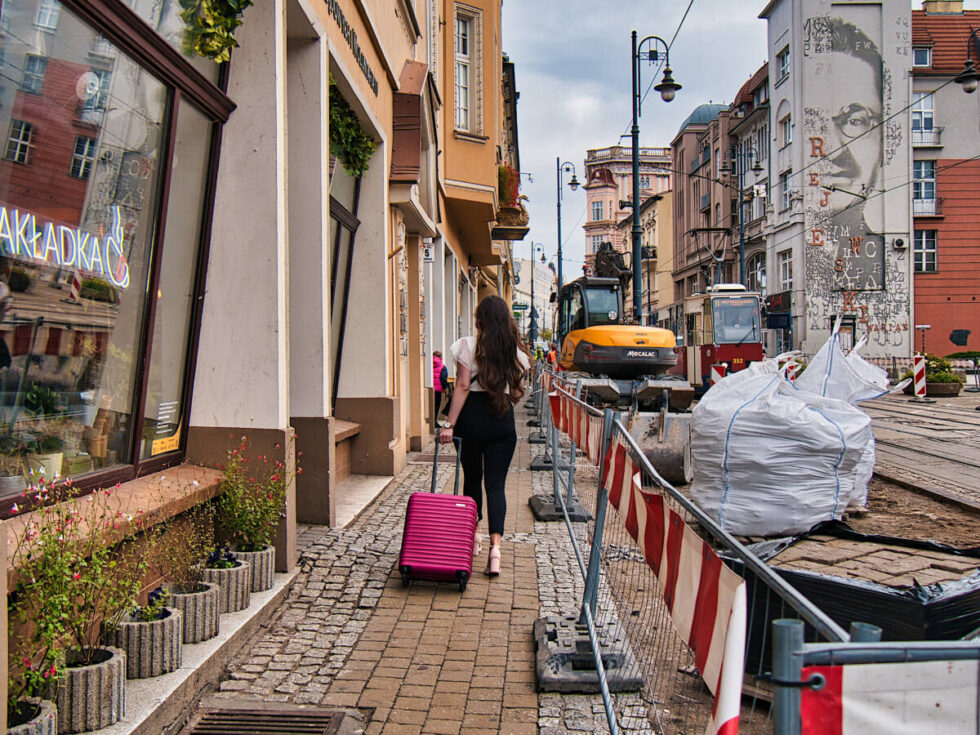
(440, 376)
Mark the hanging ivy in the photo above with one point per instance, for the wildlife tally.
(348, 141)
(210, 26)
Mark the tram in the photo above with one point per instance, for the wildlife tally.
(727, 329)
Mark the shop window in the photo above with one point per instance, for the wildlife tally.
(83, 157)
(47, 14)
(34, 67)
(19, 141)
(79, 240)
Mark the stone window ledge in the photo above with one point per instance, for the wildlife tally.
(160, 496)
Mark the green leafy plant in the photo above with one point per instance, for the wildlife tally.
(156, 601)
(221, 557)
(19, 280)
(13, 454)
(75, 581)
(508, 185)
(96, 289)
(253, 498)
(47, 444)
(964, 355)
(210, 26)
(41, 401)
(193, 535)
(348, 141)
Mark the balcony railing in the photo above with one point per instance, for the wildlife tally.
(931, 137)
(924, 138)
(927, 207)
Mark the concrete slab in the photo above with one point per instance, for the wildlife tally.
(354, 493)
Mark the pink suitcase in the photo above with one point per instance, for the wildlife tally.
(437, 544)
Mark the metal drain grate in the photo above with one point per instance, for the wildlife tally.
(292, 721)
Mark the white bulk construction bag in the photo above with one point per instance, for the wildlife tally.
(773, 459)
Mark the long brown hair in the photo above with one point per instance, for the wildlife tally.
(497, 343)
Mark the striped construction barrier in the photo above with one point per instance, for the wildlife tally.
(718, 371)
(791, 368)
(919, 376)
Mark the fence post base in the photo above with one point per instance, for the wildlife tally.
(537, 437)
(542, 463)
(564, 661)
(544, 508)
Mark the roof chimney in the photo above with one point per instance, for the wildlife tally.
(943, 7)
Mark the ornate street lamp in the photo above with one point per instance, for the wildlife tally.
(667, 88)
(970, 76)
(561, 168)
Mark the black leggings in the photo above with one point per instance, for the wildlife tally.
(488, 446)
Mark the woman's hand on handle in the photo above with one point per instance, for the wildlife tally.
(445, 435)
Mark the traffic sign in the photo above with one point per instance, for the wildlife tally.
(521, 307)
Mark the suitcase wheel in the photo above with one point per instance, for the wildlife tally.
(406, 576)
(463, 579)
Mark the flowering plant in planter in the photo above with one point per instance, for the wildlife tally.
(193, 534)
(253, 498)
(71, 577)
(221, 557)
(156, 601)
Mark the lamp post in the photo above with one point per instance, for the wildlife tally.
(667, 88)
(573, 185)
(970, 75)
(536, 247)
(743, 151)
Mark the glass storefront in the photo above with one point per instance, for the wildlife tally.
(84, 165)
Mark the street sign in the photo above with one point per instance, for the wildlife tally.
(521, 307)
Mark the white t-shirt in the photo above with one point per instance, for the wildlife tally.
(462, 353)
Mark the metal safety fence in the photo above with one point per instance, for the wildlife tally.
(668, 598)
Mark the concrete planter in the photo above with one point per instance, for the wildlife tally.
(199, 612)
(235, 586)
(153, 647)
(263, 567)
(45, 722)
(937, 390)
(92, 697)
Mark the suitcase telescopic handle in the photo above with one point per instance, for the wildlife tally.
(458, 441)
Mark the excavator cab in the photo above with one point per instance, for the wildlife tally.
(595, 340)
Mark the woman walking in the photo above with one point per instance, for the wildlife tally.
(490, 370)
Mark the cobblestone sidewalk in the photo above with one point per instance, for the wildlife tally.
(425, 659)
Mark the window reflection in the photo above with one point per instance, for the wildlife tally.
(78, 182)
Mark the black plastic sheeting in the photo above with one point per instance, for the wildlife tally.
(942, 611)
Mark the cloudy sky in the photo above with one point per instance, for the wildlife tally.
(572, 62)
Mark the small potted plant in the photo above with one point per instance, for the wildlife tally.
(232, 577)
(66, 556)
(47, 454)
(251, 506)
(151, 635)
(193, 538)
(14, 466)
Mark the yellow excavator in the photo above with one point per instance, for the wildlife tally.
(625, 366)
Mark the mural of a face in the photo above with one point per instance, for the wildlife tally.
(856, 106)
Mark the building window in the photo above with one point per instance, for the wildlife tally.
(782, 65)
(47, 15)
(114, 400)
(596, 241)
(755, 273)
(925, 251)
(923, 187)
(644, 182)
(784, 267)
(19, 141)
(784, 197)
(34, 67)
(467, 70)
(922, 117)
(761, 95)
(83, 157)
(596, 211)
(786, 131)
(921, 56)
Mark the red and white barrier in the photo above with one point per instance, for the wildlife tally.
(920, 697)
(718, 371)
(791, 368)
(705, 598)
(76, 286)
(919, 375)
